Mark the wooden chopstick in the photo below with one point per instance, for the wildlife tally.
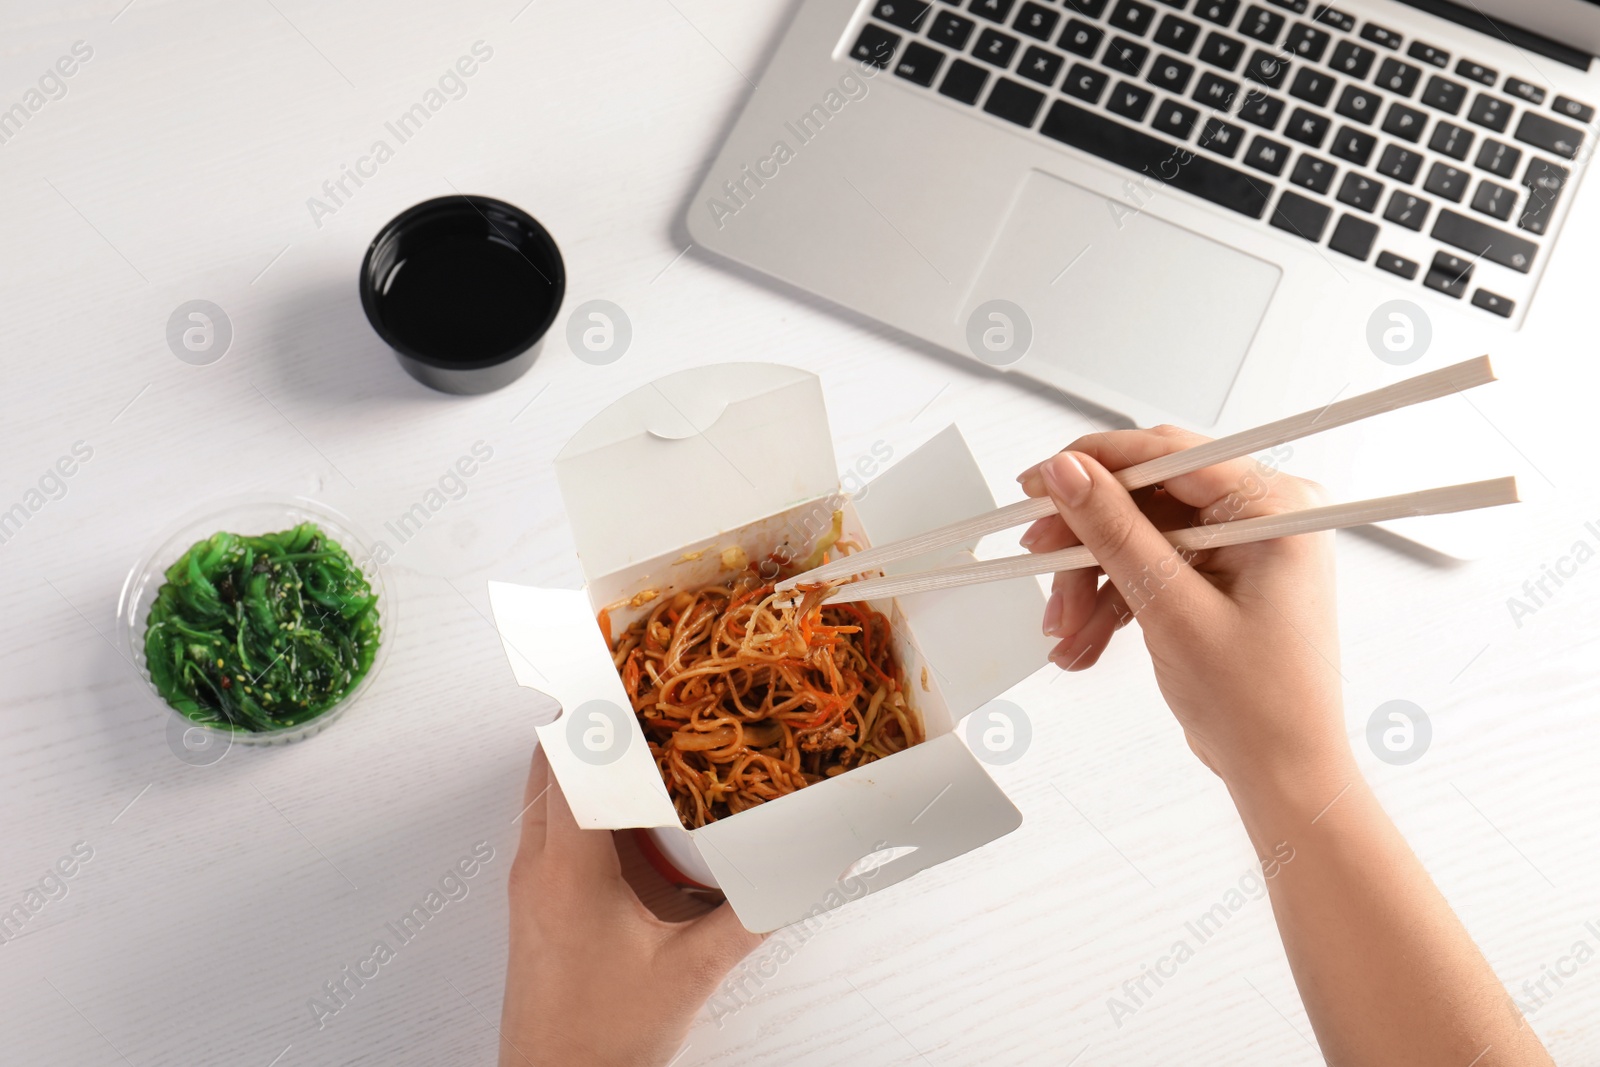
(1424, 387)
(1485, 494)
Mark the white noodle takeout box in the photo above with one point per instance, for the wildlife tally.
(672, 488)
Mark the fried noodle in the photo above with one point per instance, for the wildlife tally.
(746, 695)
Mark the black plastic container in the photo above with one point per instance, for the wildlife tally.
(463, 288)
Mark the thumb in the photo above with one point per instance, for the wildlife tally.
(1154, 579)
(711, 945)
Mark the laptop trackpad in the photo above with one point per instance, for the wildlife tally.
(1120, 298)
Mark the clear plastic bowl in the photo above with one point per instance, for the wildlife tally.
(247, 515)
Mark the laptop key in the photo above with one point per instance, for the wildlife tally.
(1525, 90)
(1451, 140)
(1352, 59)
(1407, 210)
(1307, 127)
(996, 47)
(997, 10)
(1036, 21)
(1220, 51)
(1300, 216)
(1087, 8)
(1170, 74)
(1297, 6)
(1406, 268)
(1354, 145)
(1132, 16)
(919, 64)
(1312, 173)
(1397, 77)
(1262, 110)
(1444, 94)
(1223, 138)
(1014, 102)
(1312, 85)
(1565, 105)
(1548, 134)
(1493, 200)
(907, 14)
(875, 46)
(951, 30)
(1175, 119)
(1177, 34)
(1438, 57)
(1545, 182)
(1219, 11)
(1085, 83)
(1261, 24)
(1267, 155)
(1082, 39)
(1449, 275)
(1478, 238)
(1337, 19)
(1143, 154)
(1307, 42)
(1477, 72)
(1493, 302)
(1267, 68)
(1398, 163)
(1215, 91)
(1447, 181)
(1125, 57)
(1358, 104)
(964, 82)
(1354, 237)
(1041, 66)
(1498, 159)
(1360, 192)
(1130, 101)
(1405, 122)
(1490, 111)
(1379, 35)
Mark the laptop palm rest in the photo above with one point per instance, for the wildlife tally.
(1123, 299)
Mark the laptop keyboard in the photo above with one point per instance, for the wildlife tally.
(1334, 131)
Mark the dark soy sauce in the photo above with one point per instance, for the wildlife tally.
(463, 288)
(464, 298)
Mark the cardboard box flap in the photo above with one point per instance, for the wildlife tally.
(784, 862)
(992, 630)
(687, 456)
(596, 749)
(936, 484)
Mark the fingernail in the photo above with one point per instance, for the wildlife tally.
(1052, 613)
(1025, 475)
(1067, 479)
(1029, 536)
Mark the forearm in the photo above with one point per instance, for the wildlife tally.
(1386, 971)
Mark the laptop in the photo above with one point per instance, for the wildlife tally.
(1212, 213)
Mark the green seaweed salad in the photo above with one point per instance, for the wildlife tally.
(260, 633)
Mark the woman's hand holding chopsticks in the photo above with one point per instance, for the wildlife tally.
(1237, 634)
(1246, 653)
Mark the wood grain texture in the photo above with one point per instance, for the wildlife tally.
(219, 899)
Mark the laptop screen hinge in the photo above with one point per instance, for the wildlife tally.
(1469, 16)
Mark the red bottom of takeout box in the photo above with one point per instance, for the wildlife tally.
(663, 866)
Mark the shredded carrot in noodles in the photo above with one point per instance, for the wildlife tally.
(746, 695)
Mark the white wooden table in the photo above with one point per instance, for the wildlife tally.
(218, 900)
